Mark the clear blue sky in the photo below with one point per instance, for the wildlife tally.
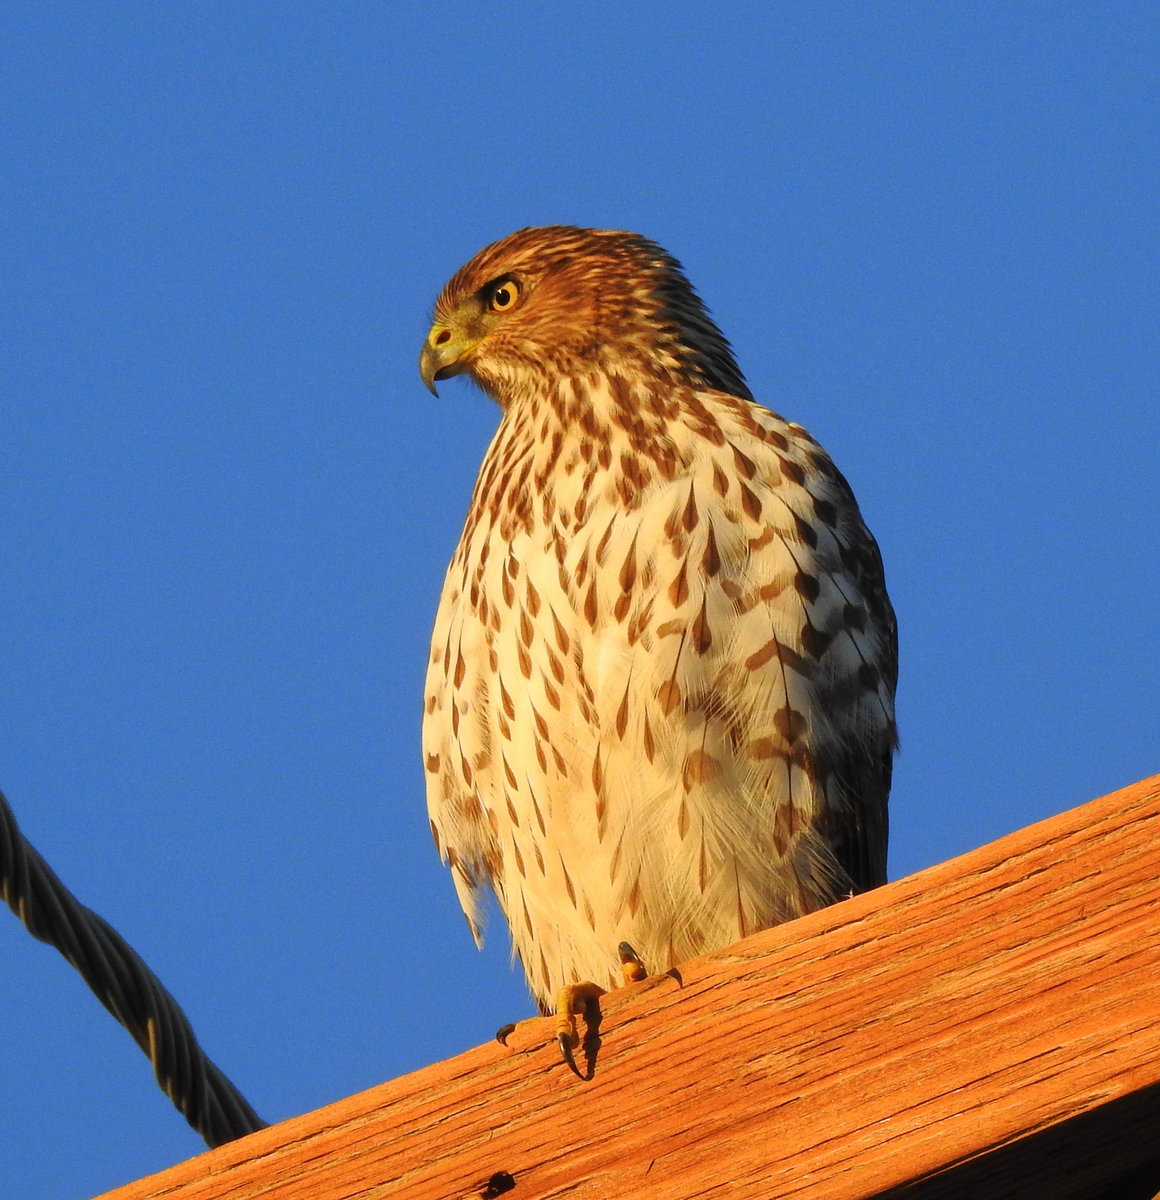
(227, 502)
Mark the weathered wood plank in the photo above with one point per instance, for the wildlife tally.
(985, 1027)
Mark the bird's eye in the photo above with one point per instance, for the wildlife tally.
(504, 294)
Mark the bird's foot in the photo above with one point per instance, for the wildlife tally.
(630, 965)
(575, 1000)
(584, 999)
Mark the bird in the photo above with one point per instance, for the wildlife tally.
(659, 704)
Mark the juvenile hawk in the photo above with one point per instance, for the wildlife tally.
(660, 701)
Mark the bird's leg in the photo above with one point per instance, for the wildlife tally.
(584, 998)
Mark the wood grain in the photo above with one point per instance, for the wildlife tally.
(987, 1027)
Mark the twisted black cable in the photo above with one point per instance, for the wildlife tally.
(125, 986)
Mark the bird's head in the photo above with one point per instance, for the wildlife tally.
(566, 301)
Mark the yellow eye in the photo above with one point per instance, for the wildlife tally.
(504, 294)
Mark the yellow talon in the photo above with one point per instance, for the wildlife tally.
(571, 1001)
(630, 965)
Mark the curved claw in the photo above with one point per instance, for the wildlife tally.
(566, 1043)
(504, 1032)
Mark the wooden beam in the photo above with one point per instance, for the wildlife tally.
(987, 1027)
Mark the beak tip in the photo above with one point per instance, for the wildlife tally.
(442, 361)
(428, 369)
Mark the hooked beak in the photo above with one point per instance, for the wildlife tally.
(444, 354)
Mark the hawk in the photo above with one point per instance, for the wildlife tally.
(660, 699)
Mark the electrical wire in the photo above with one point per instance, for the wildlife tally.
(125, 986)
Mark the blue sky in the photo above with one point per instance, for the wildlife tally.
(227, 501)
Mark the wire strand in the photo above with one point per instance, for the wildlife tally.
(125, 986)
